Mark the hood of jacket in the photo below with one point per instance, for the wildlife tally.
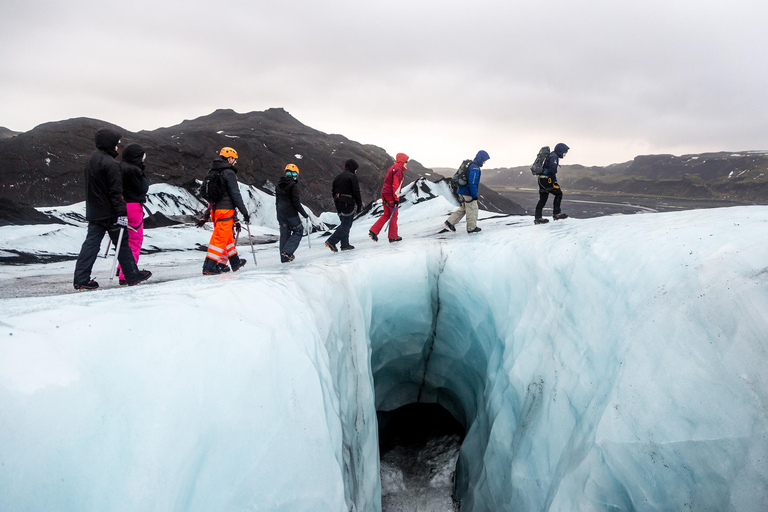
(134, 154)
(481, 157)
(561, 149)
(286, 183)
(402, 158)
(220, 164)
(106, 139)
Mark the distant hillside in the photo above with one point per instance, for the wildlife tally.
(44, 167)
(739, 176)
(5, 133)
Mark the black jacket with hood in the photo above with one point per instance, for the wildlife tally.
(346, 192)
(232, 198)
(135, 183)
(287, 198)
(104, 180)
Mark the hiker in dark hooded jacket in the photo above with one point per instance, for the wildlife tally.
(105, 212)
(135, 188)
(346, 194)
(222, 247)
(548, 185)
(288, 209)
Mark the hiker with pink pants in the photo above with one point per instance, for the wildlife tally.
(135, 187)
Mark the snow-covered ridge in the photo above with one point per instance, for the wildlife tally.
(613, 363)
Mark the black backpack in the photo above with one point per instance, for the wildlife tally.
(537, 169)
(213, 187)
(461, 177)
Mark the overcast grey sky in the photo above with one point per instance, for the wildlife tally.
(438, 80)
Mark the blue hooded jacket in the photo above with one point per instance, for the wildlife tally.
(553, 160)
(473, 177)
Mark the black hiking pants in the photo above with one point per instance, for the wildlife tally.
(291, 231)
(92, 245)
(346, 214)
(548, 186)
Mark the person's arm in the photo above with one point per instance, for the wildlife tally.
(234, 192)
(356, 193)
(297, 201)
(473, 180)
(397, 183)
(114, 178)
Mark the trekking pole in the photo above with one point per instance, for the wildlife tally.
(109, 244)
(117, 250)
(248, 227)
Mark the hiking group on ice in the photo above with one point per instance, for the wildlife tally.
(116, 193)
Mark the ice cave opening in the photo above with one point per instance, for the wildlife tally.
(419, 448)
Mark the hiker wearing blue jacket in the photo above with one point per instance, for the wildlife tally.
(548, 185)
(468, 196)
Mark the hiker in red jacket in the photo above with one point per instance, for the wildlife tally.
(390, 198)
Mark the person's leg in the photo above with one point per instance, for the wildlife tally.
(376, 228)
(459, 213)
(216, 247)
(88, 253)
(296, 230)
(392, 232)
(558, 193)
(342, 232)
(472, 211)
(543, 195)
(124, 255)
(135, 238)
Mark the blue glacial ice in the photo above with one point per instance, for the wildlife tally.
(613, 364)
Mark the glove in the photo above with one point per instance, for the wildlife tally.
(122, 221)
(247, 218)
(238, 227)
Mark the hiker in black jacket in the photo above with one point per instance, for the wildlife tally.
(288, 210)
(346, 194)
(222, 246)
(105, 212)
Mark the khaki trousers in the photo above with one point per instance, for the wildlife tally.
(467, 207)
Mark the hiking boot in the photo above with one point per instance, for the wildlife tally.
(222, 267)
(559, 216)
(215, 271)
(287, 258)
(331, 246)
(450, 226)
(90, 285)
(476, 230)
(122, 282)
(373, 236)
(540, 221)
(237, 263)
(392, 240)
(348, 248)
(143, 276)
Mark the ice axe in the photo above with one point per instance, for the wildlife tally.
(250, 240)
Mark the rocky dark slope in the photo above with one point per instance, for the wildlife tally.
(44, 167)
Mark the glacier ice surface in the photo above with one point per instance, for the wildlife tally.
(603, 364)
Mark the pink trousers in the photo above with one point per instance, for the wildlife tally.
(135, 238)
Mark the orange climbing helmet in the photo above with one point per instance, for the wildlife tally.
(228, 152)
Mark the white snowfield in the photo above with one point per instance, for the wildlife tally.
(616, 363)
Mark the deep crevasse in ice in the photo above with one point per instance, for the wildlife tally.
(609, 364)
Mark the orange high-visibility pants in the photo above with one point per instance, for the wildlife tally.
(222, 244)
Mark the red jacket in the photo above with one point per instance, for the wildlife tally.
(393, 181)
